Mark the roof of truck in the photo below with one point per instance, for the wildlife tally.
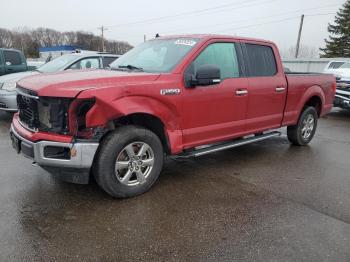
(211, 36)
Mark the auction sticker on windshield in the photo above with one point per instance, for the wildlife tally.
(185, 42)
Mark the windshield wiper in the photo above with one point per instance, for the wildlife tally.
(131, 67)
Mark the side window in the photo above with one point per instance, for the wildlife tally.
(87, 63)
(12, 57)
(221, 54)
(107, 60)
(262, 60)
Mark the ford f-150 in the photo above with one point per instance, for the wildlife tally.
(182, 96)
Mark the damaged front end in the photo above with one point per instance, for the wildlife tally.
(68, 146)
(65, 116)
(47, 114)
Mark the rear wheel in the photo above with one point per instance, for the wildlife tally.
(129, 161)
(302, 133)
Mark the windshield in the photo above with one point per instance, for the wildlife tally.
(57, 64)
(346, 65)
(335, 65)
(159, 55)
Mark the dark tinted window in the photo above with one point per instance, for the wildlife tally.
(221, 54)
(261, 60)
(13, 57)
(107, 60)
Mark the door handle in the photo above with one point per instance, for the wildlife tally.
(280, 89)
(241, 92)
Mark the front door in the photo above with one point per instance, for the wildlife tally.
(215, 112)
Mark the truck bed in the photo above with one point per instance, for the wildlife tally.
(302, 85)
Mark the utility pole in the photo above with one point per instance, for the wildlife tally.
(144, 38)
(102, 28)
(299, 36)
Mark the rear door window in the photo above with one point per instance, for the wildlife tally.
(86, 63)
(12, 57)
(261, 60)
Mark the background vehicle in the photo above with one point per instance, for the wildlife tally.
(332, 66)
(88, 60)
(12, 61)
(184, 96)
(342, 71)
(342, 96)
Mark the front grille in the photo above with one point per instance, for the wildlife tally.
(343, 85)
(343, 95)
(48, 114)
(28, 111)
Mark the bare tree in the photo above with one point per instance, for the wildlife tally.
(5, 38)
(306, 52)
(29, 40)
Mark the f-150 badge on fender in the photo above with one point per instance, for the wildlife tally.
(170, 92)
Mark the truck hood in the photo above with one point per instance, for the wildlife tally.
(342, 72)
(71, 83)
(16, 76)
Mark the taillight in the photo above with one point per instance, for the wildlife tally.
(334, 86)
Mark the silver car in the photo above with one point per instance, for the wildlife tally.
(74, 61)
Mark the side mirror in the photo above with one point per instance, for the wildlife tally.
(207, 75)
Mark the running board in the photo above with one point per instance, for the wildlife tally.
(226, 145)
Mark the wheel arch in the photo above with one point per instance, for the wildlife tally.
(316, 102)
(313, 96)
(147, 121)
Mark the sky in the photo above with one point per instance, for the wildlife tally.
(275, 20)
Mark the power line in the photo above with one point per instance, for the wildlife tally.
(270, 22)
(321, 14)
(237, 5)
(259, 18)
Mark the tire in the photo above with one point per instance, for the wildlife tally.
(119, 170)
(302, 133)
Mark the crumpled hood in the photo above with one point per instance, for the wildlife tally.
(71, 83)
(16, 76)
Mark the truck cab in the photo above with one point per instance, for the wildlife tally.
(12, 61)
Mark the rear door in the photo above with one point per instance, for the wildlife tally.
(14, 62)
(267, 87)
(215, 112)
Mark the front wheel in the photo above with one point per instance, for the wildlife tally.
(129, 161)
(302, 133)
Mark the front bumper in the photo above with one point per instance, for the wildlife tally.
(8, 100)
(73, 168)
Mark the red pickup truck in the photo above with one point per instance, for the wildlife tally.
(182, 95)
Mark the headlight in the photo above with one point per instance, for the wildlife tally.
(9, 86)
